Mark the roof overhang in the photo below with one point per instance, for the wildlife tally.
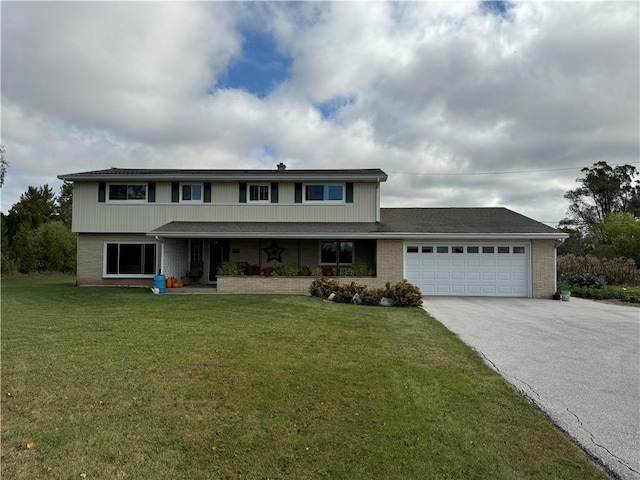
(290, 176)
(356, 236)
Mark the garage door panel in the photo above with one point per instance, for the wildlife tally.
(472, 274)
(458, 276)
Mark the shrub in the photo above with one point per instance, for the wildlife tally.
(56, 247)
(326, 286)
(616, 271)
(230, 268)
(583, 280)
(356, 270)
(286, 270)
(268, 271)
(372, 296)
(404, 294)
(324, 271)
(305, 271)
(251, 269)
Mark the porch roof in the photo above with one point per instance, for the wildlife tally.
(396, 223)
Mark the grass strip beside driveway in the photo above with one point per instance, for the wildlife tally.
(120, 383)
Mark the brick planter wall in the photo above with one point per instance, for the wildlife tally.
(287, 285)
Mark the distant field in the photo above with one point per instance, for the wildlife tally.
(120, 383)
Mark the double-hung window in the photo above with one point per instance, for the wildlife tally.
(129, 259)
(336, 252)
(127, 192)
(259, 193)
(324, 193)
(191, 192)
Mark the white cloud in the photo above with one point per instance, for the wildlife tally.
(431, 88)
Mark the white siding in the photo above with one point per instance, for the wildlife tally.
(91, 216)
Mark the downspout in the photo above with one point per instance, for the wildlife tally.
(378, 201)
(559, 242)
(159, 266)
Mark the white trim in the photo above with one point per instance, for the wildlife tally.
(191, 202)
(325, 184)
(258, 202)
(126, 201)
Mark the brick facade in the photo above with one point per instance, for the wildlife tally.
(389, 268)
(543, 268)
(90, 267)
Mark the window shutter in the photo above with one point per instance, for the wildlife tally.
(102, 192)
(151, 192)
(175, 192)
(298, 193)
(274, 193)
(349, 193)
(207, 192)
(243, 193)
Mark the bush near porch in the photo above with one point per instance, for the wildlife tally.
(293, 270)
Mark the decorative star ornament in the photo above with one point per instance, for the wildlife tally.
(274, 252)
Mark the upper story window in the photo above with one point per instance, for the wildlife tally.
(191, 192)
(324, 193)
(135, 192)
(259, 193)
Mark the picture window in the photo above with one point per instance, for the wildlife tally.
(334, 252)
(130, 259)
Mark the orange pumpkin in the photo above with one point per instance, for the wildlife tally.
(168, 282)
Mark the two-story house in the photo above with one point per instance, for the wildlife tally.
(135, 223)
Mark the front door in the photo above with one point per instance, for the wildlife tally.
(218, 254)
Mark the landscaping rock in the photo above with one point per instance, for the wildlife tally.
(331, 297)
(385, 302)
(318, 293)
(356, 300)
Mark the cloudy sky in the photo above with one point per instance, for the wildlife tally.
(449, 99)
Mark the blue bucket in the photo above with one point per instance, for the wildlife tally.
(160, 283)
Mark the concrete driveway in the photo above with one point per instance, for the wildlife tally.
(578, 360)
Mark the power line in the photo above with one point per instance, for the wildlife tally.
(499, 172)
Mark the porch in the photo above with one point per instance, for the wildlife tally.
(289, 264)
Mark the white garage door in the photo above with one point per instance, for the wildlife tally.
(495, 270)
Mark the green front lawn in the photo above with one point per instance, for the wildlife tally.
(121, 383)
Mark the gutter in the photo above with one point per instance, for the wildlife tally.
(349, 236)
(274, 177)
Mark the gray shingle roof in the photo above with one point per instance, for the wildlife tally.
(222, 174)
(395, 223)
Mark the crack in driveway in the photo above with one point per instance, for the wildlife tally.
(539, 402)
(593, 440)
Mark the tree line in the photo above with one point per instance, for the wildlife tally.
(603, 218)
(36, 232)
